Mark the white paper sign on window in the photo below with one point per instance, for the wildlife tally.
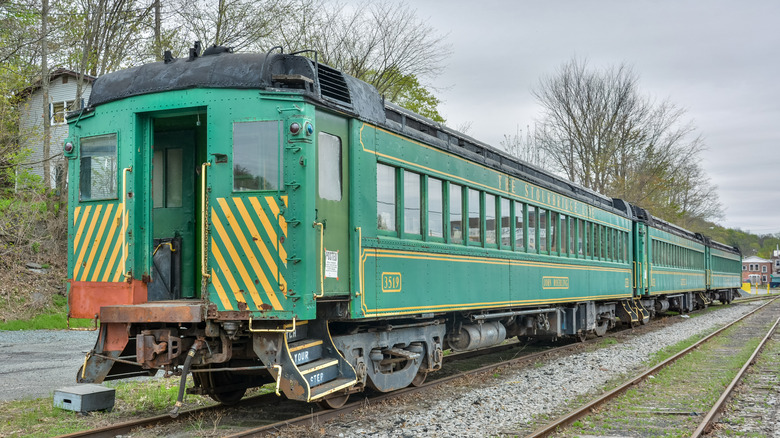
(331, 264)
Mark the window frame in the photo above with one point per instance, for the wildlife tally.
(117, 170)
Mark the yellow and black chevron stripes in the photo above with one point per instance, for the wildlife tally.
(248, 252)
(97, 242)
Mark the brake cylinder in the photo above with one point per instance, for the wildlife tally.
(478, 336)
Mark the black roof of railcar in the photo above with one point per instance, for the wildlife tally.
(219, 68)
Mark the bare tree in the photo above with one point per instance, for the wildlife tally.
(604, 134)
(384, 44)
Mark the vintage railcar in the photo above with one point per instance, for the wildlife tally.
(254, 218)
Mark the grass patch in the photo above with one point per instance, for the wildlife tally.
(54, 318)
(134, 399)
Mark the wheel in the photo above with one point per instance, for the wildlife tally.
(601, 329)
(419, 379)
(222, 386)
(334, 402)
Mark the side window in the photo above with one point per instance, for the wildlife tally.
(329, 166)
(490, 219)
(412, 202)
(456, 213)
(506, 222)
(475, 221)
(385, 197)
(532, 220)
(542, 230)
(554, 230)
(167, 190)
(435, 208)
(519, 215)
(572, 235)
(581, 237)
(98, 173)
(256, 157)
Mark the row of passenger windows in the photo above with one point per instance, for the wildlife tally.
(432, 209)
(675, 256)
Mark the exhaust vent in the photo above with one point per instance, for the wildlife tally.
(332, 85)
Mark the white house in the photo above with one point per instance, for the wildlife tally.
(62, 98)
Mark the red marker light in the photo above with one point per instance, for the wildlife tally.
(295, 128)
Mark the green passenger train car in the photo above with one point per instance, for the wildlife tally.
(258, 218)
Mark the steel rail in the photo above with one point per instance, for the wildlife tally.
(584, 410)
(126, 427)
(326, 415)
(706, 424)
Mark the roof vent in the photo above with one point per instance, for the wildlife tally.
(332, 85)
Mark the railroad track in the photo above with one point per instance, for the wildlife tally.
(599, 416)
(514, 349)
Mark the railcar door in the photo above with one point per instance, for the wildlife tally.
(332, 202)
(640, 265)
(173, 215)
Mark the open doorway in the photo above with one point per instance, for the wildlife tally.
(177, 142)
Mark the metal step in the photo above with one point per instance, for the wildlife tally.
(301, 331)
(320, 371)
(305, 351)
(330, 387)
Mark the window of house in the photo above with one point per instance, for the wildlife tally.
(256, 157)
(506, 224)
(412, 200)
(435, 208)
(385, 197)
(58, 110)
(763, 278)
(475, 221)
(763, 268)
(456, 213)
(98, 168)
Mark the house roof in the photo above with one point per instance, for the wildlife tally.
(54, 75)
(755, 259)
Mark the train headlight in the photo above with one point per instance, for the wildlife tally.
(295, 128)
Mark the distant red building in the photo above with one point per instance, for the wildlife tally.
(757, 271)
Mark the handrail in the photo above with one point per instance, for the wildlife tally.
(281, 330)
(322, 258)
(125, 248)
(204, 228)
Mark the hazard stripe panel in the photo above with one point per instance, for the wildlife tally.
(97, 242)
(247, 254)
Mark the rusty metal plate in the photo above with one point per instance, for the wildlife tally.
(160, 311)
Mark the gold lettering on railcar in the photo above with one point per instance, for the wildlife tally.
(683, 282)
(555, 282)
(391, 282)
(547, 198)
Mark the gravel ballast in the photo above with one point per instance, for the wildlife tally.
(501, 404)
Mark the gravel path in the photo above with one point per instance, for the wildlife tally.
(37, 362)
(501, 404)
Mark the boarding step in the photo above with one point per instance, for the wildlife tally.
(330, 387)
(320, 371)
(301, 331)
(305, 350)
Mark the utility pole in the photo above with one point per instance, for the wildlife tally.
(45, 88)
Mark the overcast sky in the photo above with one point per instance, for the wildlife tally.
(720, 60)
